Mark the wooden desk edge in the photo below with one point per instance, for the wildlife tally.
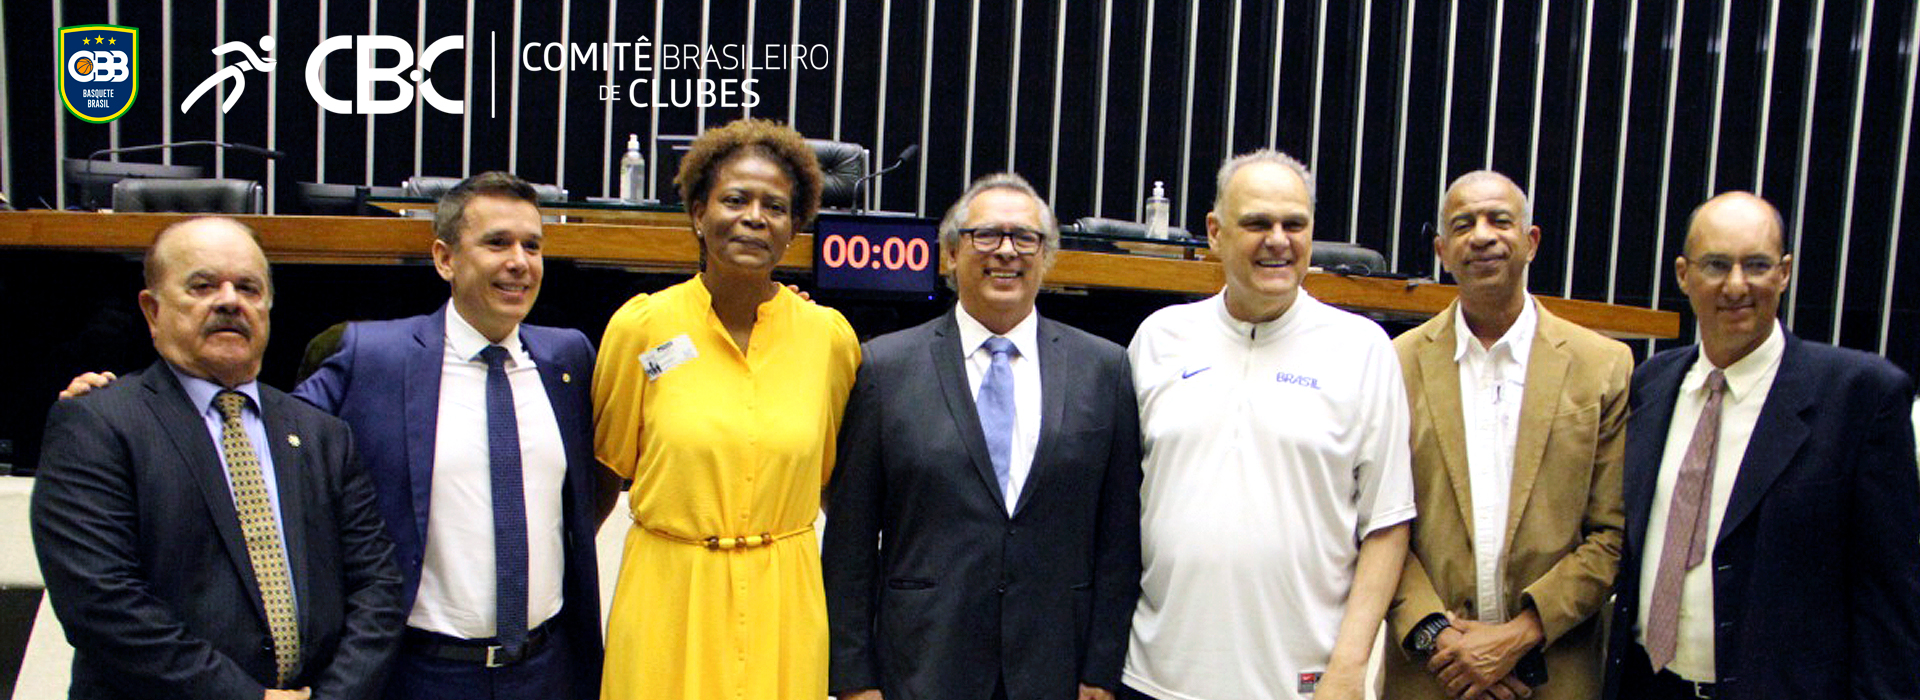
(364, 240)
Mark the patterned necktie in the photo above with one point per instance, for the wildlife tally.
(995, 404)
(509, 505)
(1685, 545)
(262, 531)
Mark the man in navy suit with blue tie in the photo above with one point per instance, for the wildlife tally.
(478, 432)
(983, 526)
(1773, 519)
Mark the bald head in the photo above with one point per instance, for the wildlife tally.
(1743, 211)
(165, 246)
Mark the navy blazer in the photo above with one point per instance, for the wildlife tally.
(146, 566)
(933, 590)
(385, 382)
(1816, 565)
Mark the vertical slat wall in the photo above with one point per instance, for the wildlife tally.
(1620, 114)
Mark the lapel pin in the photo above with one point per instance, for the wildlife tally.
(566, 378)
(293, 439)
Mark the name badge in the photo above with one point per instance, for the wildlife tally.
(667, 356)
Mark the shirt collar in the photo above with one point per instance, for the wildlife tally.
(1517, 341)
(1262, 329)
(1025, 334)
(201, 391)
(467, 343)
(1744, 374)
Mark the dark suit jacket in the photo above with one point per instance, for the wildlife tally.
(385, 382)
(146, 567)
(1816, 566)
(933, 591)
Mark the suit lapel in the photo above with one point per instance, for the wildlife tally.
(1647, 427)
(1776, 437)
(201, 457)
(288, 465)
(1440, 377)
(1547, 364)
(555, 378)
(947, 365)
(422, 414)
(1052, 407)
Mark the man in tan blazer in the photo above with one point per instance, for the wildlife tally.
(1518, 431)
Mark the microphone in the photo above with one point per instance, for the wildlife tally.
(242, 147)
(906, 154)
(223, 145)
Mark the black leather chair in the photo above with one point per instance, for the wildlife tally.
(1348, 258)
(432, 187)
(344, 200)
(90, 182)
(843, 164)
(221, 196)
(1115, 227)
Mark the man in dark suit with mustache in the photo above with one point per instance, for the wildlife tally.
(203, 535)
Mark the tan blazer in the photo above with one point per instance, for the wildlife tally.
(1564, 516)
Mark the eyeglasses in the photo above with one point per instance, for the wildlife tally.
(1714, 268)
(1026, 241)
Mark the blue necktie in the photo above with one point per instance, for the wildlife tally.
(509, 506)
(995, 404)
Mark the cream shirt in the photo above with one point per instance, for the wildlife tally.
(1748, 381)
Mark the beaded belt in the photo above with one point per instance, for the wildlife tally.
(717, 543)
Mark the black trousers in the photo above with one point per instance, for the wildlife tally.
(1638, 680)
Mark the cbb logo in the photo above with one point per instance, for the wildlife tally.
(98, 66)
(99, 70)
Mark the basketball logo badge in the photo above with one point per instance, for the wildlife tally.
(99, 70)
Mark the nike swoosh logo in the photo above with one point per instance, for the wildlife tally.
(1185, 374)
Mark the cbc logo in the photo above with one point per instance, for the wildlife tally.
(367, 74)
(98, 66)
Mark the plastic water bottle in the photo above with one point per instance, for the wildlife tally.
(1157, 210)
(633, 169)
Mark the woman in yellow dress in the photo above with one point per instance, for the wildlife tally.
(721, 398)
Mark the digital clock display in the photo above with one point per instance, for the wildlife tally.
(876, 254)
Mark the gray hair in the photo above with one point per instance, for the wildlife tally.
(1526, 200)
(957, 214)
(1264, 155)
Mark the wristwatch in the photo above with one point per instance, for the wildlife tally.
(1424, 635)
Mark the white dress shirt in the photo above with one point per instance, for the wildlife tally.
(457, 578)
(1492, 383)
(1026, 388)
(1748, 382)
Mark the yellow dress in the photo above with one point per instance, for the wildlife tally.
(726, 445)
